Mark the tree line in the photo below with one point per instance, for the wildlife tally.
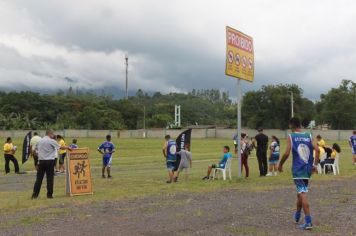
(268, 107)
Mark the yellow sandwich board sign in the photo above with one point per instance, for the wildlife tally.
(78, 176)
(239, 55)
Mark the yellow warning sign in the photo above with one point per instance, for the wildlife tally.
(78, 176)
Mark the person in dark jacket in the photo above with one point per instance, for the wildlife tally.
(261, 144)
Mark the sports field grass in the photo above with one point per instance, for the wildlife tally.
(139, 170)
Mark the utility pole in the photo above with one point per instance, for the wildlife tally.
(292, 104)
(127, 72)
(144, 117)
(144, 121)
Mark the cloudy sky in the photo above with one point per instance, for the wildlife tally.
(174, 45)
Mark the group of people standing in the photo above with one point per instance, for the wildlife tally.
(46, 149)
(51, 147)
(268, 154)
(267, 165)
(49, 150)
(59, 157)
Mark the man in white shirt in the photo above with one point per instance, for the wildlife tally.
(47, 148)
(33, 142)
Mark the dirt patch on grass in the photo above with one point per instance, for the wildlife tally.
(223, 212)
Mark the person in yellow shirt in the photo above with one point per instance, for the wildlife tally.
(334, 152)
(321, 141)
(62, 153)
(9, 155)
(322, 153)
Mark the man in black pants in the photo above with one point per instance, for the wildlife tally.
(46, 149)
(261, 151)
(9, 155)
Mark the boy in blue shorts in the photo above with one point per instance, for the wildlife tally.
(221, 164)
(169, 152)
(302, 146)
(107, 148)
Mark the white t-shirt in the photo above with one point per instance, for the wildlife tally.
(47, 148)
(34, 141)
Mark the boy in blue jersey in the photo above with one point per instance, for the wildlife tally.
(352, 143)
(169, 152)
(74, 144)
(302, 146)
(221, 164)
(107, 149)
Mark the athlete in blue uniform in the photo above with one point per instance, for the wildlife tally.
(74, 144)
(302, 146)
(107, 149)
(169, 152)
(352, 142)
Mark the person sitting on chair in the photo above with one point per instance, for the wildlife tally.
(221, 164)
(330, 160)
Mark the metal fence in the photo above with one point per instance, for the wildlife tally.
(160, 133)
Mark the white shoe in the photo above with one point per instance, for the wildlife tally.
(269, 174)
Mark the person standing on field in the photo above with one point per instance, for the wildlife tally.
(169, 152)
(107, 148)
(273, 157)
(33, 142)
(352, 143)
(47, 148)
(62, 153)
(9, 155)
(261, 151)
(74, 144)
(245, 152)
(185, 162)
(302, 146)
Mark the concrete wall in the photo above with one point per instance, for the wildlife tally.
(160, 133)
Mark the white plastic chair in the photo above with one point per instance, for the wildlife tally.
(223, 170)
(319, 169)
(335, 165)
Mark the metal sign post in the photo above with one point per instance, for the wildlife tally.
(239, 128)
(239, 64)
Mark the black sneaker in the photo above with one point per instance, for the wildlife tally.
(168, 181)
(205, 178)
(34, 196)
(49, 196)
(103, 176)
(109, 176)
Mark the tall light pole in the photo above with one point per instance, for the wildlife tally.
(127, 72)
(144, 117)
(144, 121)
(292, 104)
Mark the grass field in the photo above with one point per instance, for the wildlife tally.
(139, 170)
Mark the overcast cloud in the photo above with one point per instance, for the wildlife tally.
(174, 45)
